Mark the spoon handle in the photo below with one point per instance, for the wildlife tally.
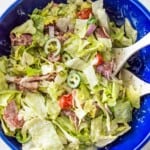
(140, 85)
(145, 89)
(143, 42)
(123, 54)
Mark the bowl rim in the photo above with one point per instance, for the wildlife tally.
(137, 3)
(9, 9)
(6, 141)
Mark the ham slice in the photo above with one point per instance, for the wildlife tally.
(30, 83)
(105, 69)
(11, 118)
(72, 116)
(101, 33)
(24, 39)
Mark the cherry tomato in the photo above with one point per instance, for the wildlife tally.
(98, 60)
(66, 101)
(84, 13)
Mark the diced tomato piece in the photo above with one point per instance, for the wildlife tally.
(98, 60)
(84, 13)
(66, 101)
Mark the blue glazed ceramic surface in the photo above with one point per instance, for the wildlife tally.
(140, 63)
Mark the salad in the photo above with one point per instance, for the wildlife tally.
(56, 86)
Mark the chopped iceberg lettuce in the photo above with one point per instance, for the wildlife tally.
(22, 138)
(72, 139)
(38, 21)
(96, 128)
(90, 108)
(130, 31)
(91, 76)
(76, 63)
(100, 13)
(81, 27)
(123, 112)
(124, 35)
(3, 64)
(97, 5)
(27, 59)
(103, 18)
(53, 109)
(27, 27)
(43, 134)
(61, 77)
(29, 71)
(83, 93)
(133, 96)
(7, 95)
(53, 89)
(6, 130)
(3, 82)
(72, 45)
(47, 68)
(106, 42)
(33, 105)
(105, 140)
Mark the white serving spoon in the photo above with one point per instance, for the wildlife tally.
(123, 54)
(130, 79)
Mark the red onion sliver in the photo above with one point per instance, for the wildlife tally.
(91, 29)
(51, 31)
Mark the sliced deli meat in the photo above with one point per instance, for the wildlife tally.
(11, 117)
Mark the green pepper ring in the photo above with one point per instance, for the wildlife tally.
(73, 80)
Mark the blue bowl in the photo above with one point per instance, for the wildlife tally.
(140, 62)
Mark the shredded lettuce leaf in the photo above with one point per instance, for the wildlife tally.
(7, 95)
(33, 105)
(3, 83)
(27, 27)
(27, 59)
(123, 112)
(133, 96)
(53, 109)
(76, 63)
(130, 31)
(81, 27)
(46, 137)
(91, 76)
(123, 36)
(100, 14)
(3, 64)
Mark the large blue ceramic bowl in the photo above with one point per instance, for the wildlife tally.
(117, 9)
